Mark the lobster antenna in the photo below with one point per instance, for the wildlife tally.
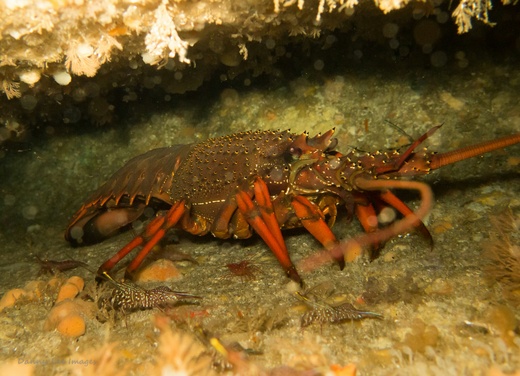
(396, 164)
(400, 130)
(443, 159)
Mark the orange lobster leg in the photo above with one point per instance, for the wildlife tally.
(402, 208)
(152, 234)
(367, 216)
(261, 218)
(266, 209)
(312, 219)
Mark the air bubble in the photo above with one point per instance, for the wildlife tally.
(439, 59)
(28, 102)
(390, 30)
(137, 225)
(149, 212)
(76, 233)
(9, 200)
(427, 32)
(71, 115)
(270, 43)
(427, 49)
(418, 13)
(442, 17)
(229, 97)
(330, 39)
(30, 212)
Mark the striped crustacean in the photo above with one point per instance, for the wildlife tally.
(322, 313)
(262, 182)
(127, 297)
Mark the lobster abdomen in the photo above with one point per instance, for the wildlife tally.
(142, 181)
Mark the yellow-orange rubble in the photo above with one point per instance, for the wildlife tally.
(160, 270)
(72, 326)
(68, 314)
(70, 289)
(10, 298)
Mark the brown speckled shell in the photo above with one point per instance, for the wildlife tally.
(204, 174)
(213, 170)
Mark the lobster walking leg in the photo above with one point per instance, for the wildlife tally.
(261, 218)
(402, 208)
(266, 210)
(382, 235)
(367, 216)
(312, 219)
(151, 236)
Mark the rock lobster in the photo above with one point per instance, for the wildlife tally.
(264, 181)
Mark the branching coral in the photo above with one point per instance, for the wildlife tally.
(468, 9)
(180, 354)
(102, 361)
(163, 41)
(85, 59)
(331, 5)
(11, 89)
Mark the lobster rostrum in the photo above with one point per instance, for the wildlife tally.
(264, 181)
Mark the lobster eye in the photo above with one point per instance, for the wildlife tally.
(333, 144)
(293, 154)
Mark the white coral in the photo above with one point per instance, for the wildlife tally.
(21, 18)
(163, 41)
(11, 89)
(462, 16)
(181, 354)
(390, 5)
(467, 9)
(83, 59)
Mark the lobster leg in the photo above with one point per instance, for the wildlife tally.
(220, 227)
(312, 219)
(381, 235)
(151, 236)
(266, 210)
(402, 208)
(366, 214)
(261, 218)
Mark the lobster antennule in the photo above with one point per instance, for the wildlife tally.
(443, 159)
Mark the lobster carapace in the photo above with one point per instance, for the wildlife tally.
(262, 181)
